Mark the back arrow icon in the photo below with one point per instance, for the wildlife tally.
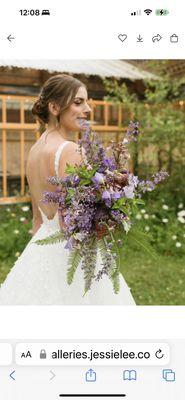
(11, 375)
(10, 38)
(52, 375)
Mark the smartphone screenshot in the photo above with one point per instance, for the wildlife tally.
(92, 200)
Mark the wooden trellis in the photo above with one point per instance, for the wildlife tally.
(18, 132)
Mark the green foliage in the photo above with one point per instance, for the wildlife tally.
(73, 263)
(52, 239)
(15, 230)
(161, 218)
(162, 124)
(142, 240)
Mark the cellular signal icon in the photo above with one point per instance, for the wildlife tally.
(148, 11)
(138, 12)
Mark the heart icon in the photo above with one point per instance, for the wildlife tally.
(122, 37)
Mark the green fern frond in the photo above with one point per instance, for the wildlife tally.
(114, 271)
(115, 278)
(102, 248)
(142, 239)
(73, 262)
(89, 264)
(52, 239)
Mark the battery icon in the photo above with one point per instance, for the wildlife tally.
(161, 12)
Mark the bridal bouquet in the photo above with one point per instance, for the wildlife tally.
(97, 201)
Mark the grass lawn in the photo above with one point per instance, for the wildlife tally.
(155, 282)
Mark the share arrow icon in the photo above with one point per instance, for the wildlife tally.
(156, 38)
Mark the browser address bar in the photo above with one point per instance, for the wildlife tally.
(102, 354)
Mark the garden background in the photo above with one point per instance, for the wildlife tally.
(159, 106)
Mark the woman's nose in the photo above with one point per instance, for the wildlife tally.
(87, 108)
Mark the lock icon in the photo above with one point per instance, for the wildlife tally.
(43, 354)
(174, 38)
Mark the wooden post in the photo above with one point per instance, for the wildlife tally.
(22, 169)
(4, 149)
(91, 104)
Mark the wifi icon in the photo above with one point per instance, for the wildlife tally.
(148, 11)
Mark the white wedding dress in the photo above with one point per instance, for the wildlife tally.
(38, 277)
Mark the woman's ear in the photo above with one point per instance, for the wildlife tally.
(54, 109)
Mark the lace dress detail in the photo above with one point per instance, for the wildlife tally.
(39, 276)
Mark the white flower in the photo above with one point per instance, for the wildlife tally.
(181, 219)
(8, 209)
(153, 216)
(181, 213)
(165, 220)
(79, 236)
(22, 219)
(147, 228)
(184, 235)
(180, 205)
(181, 216)
(165, 207)
(16, 231)
(17, 254)
(138, 216)
(143, 211)
(25, 208)
(146, 216)
(178, 244)
(174, 237)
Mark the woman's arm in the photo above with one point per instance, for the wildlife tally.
(37, 218)
(71, 156)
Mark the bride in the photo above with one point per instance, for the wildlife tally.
(39, 275)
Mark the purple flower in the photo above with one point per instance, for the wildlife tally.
(107, 163)
(98, 178)
(106, 196)
(70, 243)
(133, 180)
(146, 186)
(116, 195)
(160, 176)
(133, 131)
(118, 215)
(75, 180)
(129, 191)
(51, 197)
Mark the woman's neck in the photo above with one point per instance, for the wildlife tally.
(59, 130)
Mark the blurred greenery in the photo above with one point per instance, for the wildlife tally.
(160, 110)
(15, 233)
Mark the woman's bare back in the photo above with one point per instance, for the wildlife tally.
(41, 165)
